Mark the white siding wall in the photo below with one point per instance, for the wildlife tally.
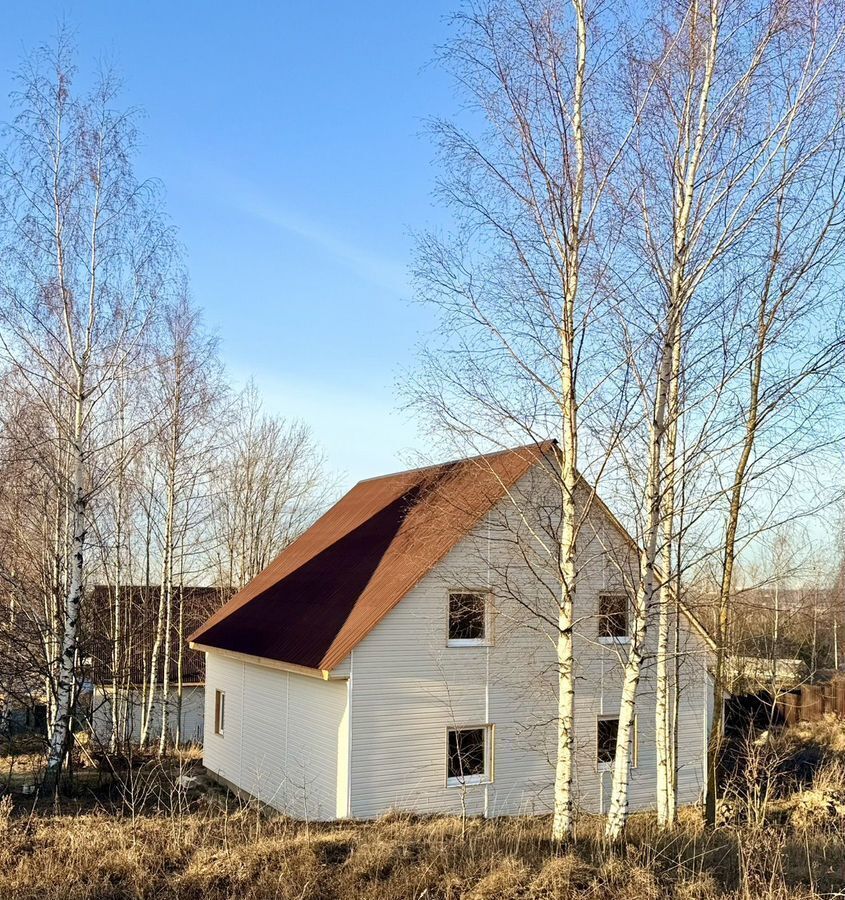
(193, 702)
(283, 736)
(408, 687)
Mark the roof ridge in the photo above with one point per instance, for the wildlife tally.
(540, 445)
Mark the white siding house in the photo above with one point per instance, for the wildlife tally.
(390, 723)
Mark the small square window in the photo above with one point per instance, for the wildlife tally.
(468, 756)
(219, 711)
(607, 731)
(613, 617)
(467, 618)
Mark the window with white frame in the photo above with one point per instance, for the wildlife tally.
(219, 712)
(613, 617)
(607, 731)
(468, 618)
(469, 755)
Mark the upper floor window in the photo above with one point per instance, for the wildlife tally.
(613, 617)
(467, 618)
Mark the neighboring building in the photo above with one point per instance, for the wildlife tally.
(401, 654)
(139, 607)
(756, 674)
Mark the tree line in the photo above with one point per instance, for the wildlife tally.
(128, 458)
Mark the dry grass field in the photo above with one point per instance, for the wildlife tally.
(139, 835)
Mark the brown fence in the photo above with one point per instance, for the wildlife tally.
(812, 701)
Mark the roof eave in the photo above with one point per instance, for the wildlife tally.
(325, 674)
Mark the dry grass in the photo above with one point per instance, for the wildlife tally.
(826, 733)
(148, 839)
(214, 852)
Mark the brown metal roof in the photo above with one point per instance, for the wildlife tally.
(325, 592)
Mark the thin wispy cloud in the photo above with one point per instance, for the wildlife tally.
(388, 274)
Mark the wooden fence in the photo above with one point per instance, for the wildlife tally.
(812, 701)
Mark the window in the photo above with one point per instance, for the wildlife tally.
(468, 756)
(613, 617)
(467, 618)
(607, 730)
(219, 711)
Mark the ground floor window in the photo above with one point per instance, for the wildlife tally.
(607, 731)
(219, 711)
(469, 755)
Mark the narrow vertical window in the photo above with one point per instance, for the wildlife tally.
(613, 617)
(219, 711)
(606, 733)
(468, 756)
(467, 618)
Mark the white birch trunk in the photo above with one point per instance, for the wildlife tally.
(180, 635)
(65, 688)
(617, 815)
(114, 740)
(167, 588)
(117, 633)
(152, 684)
(165, 677)
(661, 708)
(665, 775)
(675, 711)
(180, 660)
(563, 824)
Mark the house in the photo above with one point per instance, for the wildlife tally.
(139, 611)
(755, 674)
(401, 654)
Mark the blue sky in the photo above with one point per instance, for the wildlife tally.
(289, 138)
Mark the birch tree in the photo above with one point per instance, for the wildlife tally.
(794, 299)
(187, 392)
(83, 250)
(741, 103)
(269, 483)
(519, 354)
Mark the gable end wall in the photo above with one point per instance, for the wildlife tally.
(408, 687)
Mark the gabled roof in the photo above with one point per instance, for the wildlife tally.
(325, 592)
